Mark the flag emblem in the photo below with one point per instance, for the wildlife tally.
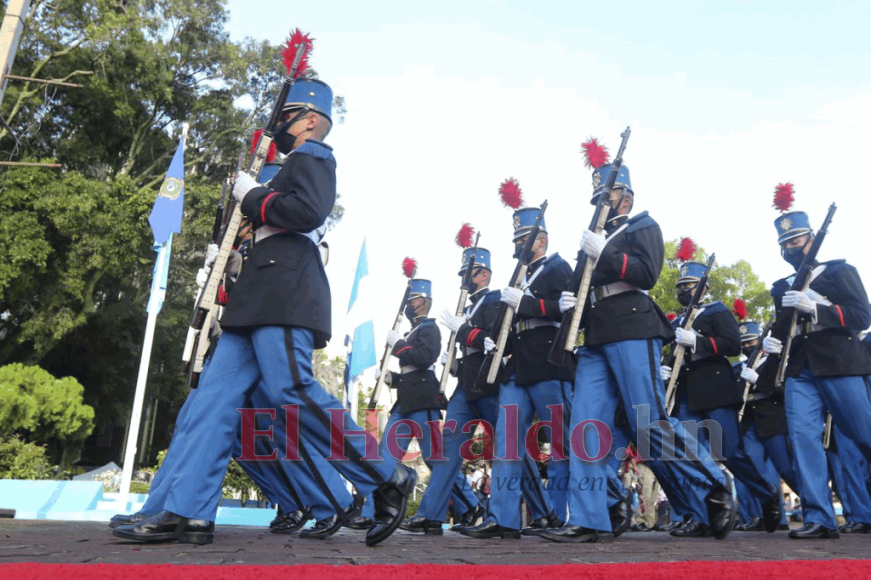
(171, 188)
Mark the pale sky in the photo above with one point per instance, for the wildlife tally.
(448, 99)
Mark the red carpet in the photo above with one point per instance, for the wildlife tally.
(790, 569)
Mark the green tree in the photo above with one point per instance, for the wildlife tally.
(726, 283)
(42, 408)
(21, 460)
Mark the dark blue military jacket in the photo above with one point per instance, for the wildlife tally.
(283, 282)
(835, 350)
(634, 256)
(417, 388)
(530, 347)
(707, 376)
(470, 337)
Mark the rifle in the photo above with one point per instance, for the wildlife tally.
(679, 351)
(385, 358)
(192, 344)
(493, 359)
(206, 309)
(787, 320)
(461, 306)
(752, 363)
(567, 336)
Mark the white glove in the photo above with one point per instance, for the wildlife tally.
(771, 345)
(665, 373)
(749, 374)
(567, 301)
(686, 338)
(244, 184)
(444, 358)
(202, 277)
(800, 301)
(451, 320)
(388, 378)
(211, 256)
(392, 337)
(592, 244)
(511, 296)
(377, 373)
(489, 345)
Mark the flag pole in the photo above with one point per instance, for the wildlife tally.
(139, 397)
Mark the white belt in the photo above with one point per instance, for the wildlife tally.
(408, 369)
(529, 324)
(264, 232)
(613, 289)
(467, 351)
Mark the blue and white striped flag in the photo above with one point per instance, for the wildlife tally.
(360, 339)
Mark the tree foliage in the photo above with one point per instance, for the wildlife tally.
(22, 460)
(726, 283)
(43, 409)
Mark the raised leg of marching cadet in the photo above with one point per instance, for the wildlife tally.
(807, 398)
(284, 356)
(460, 492)
(779, 450)
(719, 432)
(434, 504)
(508, 472)
(755, 449)
(850, 474)
(604, 379)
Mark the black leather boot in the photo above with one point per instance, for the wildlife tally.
(812, 531)
(489, 530)
(541, 525)
(421, 525)
(168, 527)
(290, 522)
(391, 499)
(577, 535)
(126, 520)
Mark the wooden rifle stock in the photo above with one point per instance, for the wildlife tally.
(493, 360)
(679, 352)
(567, 336)
(461, 306)
(206, 309)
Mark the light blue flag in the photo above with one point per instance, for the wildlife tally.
(165, 217)
(360, 339)
(158, 279)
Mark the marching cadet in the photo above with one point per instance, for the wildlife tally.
(826, 370)
(531, 385)
(749, 506)
(470, 401)
(849, 471)
(708, 396)
(419, 401)
(299, 494)
(619, 363)
(278, 312)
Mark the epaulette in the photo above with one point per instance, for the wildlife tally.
(316, 149)
(834, 266)
(639, 222)
(714, 308)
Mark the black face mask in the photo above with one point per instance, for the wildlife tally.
(471, 287)
(685, 296)
(747, 350)
(410, 313)
(794, 256)
(284, 142)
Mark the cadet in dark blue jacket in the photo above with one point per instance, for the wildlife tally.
(826, 371)
(619, 363)
(708, 397)
(278, 313)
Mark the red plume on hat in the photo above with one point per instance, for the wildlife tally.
(671, 316)
(297, 41)
(595, 154)
(464, 236)
(409, 267)
(270, 155)
(740, 309)
(686, 251)
(510, 193)
(783, 196)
